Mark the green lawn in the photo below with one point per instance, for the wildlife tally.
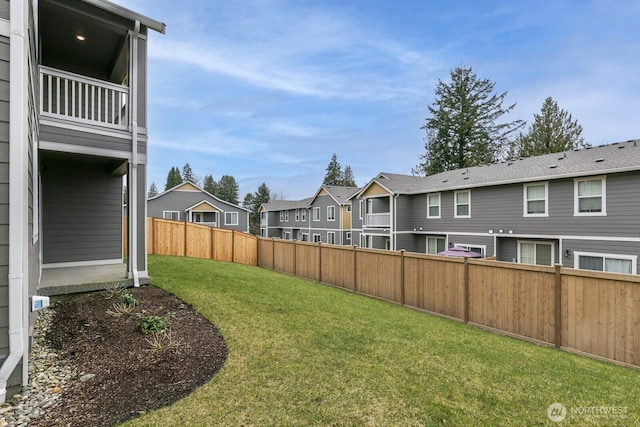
(307, 354)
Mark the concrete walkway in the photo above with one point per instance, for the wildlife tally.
(68, 280)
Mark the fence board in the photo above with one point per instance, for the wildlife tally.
(337, 266)
(284, 256)
(307, 260)
(222, 244)
(245, 249)
(198, 241)
(378, 274)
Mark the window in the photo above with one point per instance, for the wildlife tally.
(590, 196)
(331, 213)
(348, 236)
(197, 217)
(536, 199)
(360, 213)
(481, 249)
(349, 207)
(175, 215)
(463, 204)
(303, 215)
(263, 215)
(536, 253)
(316, 238)
(287, 235)
(231, 218)
(331, 238)
(435, 245)
(305, 237)
(366, 241)
(626, 264)
(297, 217)
(286, 216)
(281, 216)
(433, 205)
(316, 214)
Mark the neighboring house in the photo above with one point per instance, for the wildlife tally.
(74, 109)
(285, 219)
(577, 208)
(188, 202)
(325, 217)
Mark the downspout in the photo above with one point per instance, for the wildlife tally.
(133, 170)
(18, 229)
(394, 243)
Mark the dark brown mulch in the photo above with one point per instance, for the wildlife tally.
(129, 378)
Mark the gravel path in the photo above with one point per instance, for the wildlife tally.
(47, 378)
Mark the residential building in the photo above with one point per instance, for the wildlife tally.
(74, 105)
(577, 208)
(285, 219)
(188, 202)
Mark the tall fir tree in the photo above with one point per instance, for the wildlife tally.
(552, 131)
(209, 184)
(334, 172)
(173, 178)
(227, 189)
(463, 129)
(347, 177)
(188, 175)
(153, 190)
(262, 195)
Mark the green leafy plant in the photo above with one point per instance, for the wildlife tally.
(128, 298)
(153, 324)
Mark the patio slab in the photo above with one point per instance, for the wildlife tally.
(69, 280)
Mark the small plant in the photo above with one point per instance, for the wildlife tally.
(120, 309)
(128, 298)
(162, 341)
(152, 324)
(112, 289)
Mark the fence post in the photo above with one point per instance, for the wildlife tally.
(402, 251)
(184, 247)
(154, 236)
(558, 305)
(233, 245)
(273, 253)
(466, 290)
(295, 257)
(355, 268)
(320, 262)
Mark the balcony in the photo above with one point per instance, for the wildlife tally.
(70, 97)
(378, 220)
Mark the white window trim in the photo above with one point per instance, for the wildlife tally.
(455, 204)
(281, 216)
(468, 246)
(361, 205)
(439, 206)
(437, 238)
(576, 205)
(237, 221)
(329, 218)
(632, 258)
(333, 234)
(314, 214)
(525, 200)
(303, 215)
(164, 215)
(319, 238)
(297, 215)
(305, 235)
(286, 216)
(287, 235)
(348, 236)
(538, 242)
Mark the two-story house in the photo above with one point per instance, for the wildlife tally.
(73, 104)
(188, 202)
(285, 219)
(577, 208)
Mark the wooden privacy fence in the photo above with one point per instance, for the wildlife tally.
(586, 312)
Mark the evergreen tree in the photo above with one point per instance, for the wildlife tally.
(552, 131)
(262, 195)
(153, 190)
(334, 172)
(463, 129)
(247, 203)
(173, 178)
(209, 184)
(227, 189)
(188, 175)
(347, 177)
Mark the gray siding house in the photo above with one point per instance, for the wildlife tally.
(188, 202)
(577, 208)
(74, 125)
(325, 217)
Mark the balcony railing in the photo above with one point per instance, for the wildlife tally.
(83, 99)
(378, 220)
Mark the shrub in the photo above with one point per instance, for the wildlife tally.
(152, 324)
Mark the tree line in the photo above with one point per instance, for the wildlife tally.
(465, 127)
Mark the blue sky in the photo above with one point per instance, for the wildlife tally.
(267, 91)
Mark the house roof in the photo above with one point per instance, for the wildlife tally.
(338, 193)
(603, 159)
(191, 184)
(128, 14)
(284, 205)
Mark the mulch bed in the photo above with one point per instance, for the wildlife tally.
(130, 379)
